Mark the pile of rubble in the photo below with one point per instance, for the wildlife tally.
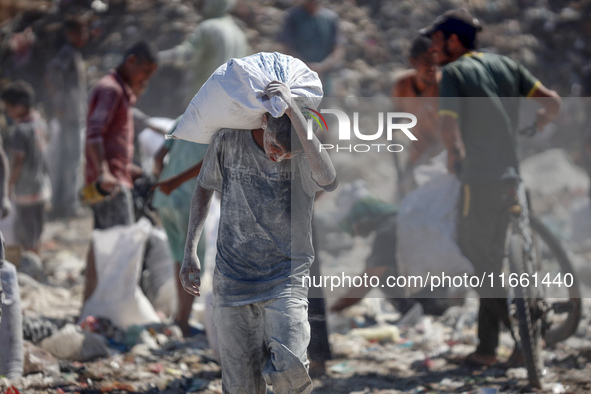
(547, 36)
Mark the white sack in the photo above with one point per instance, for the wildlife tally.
(118, 254)
(426, 233)
(234, 96)
(71, 343)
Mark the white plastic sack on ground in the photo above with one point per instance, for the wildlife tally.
(71, 343)
(434, 168)
(119, 252)
(234, 96)
(427, 230)
(158, 281)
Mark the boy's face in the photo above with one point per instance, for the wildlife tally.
(15, 111)
(275, 152)
(140, 73)
(425, 66)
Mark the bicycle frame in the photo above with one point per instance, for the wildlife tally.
(525, 302)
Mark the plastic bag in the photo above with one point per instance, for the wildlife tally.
(71, 343)
(234, 96)
(119, 253)
(427, 220)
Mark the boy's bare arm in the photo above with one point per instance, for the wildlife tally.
(17, 160)
(170, 184)
(323, 171)
(4, 200)
(550, 101)
(106, 179)
(191, 264)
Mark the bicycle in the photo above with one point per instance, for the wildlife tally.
(537, 263)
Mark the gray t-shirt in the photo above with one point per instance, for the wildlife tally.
(264, 243)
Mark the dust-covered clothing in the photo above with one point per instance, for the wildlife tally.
(488, 119)
(11, 328)
(264, 246)
(264, 342)
(30, 138)
(110, 120)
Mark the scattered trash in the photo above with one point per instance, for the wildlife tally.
(342, 368)
(37, 360)
(487, 390)
(412, 317)
(197, 385)
(558, 388)
(517, 373)
(379, 333)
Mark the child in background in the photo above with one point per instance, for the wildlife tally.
(29, 182)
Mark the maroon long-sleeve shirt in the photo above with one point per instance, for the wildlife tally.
(110, 120)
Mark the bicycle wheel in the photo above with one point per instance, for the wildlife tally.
(529, 322)
(563, 303)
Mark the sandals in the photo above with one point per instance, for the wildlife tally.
(477, 360)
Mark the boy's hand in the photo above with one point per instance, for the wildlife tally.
(190, 274)
(279, 89)
(108, 183)
(169, 185)
(4, 207)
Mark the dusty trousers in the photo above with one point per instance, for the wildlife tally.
(264, 343)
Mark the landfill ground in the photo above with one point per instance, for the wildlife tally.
(421, 355)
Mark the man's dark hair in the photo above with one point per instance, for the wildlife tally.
(456, 21)
(18, 93)
(74, 25)
(466, 36)
(419, 46)
(281, 128)
(143, 51)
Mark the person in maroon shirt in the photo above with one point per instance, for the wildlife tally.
(109, 142)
